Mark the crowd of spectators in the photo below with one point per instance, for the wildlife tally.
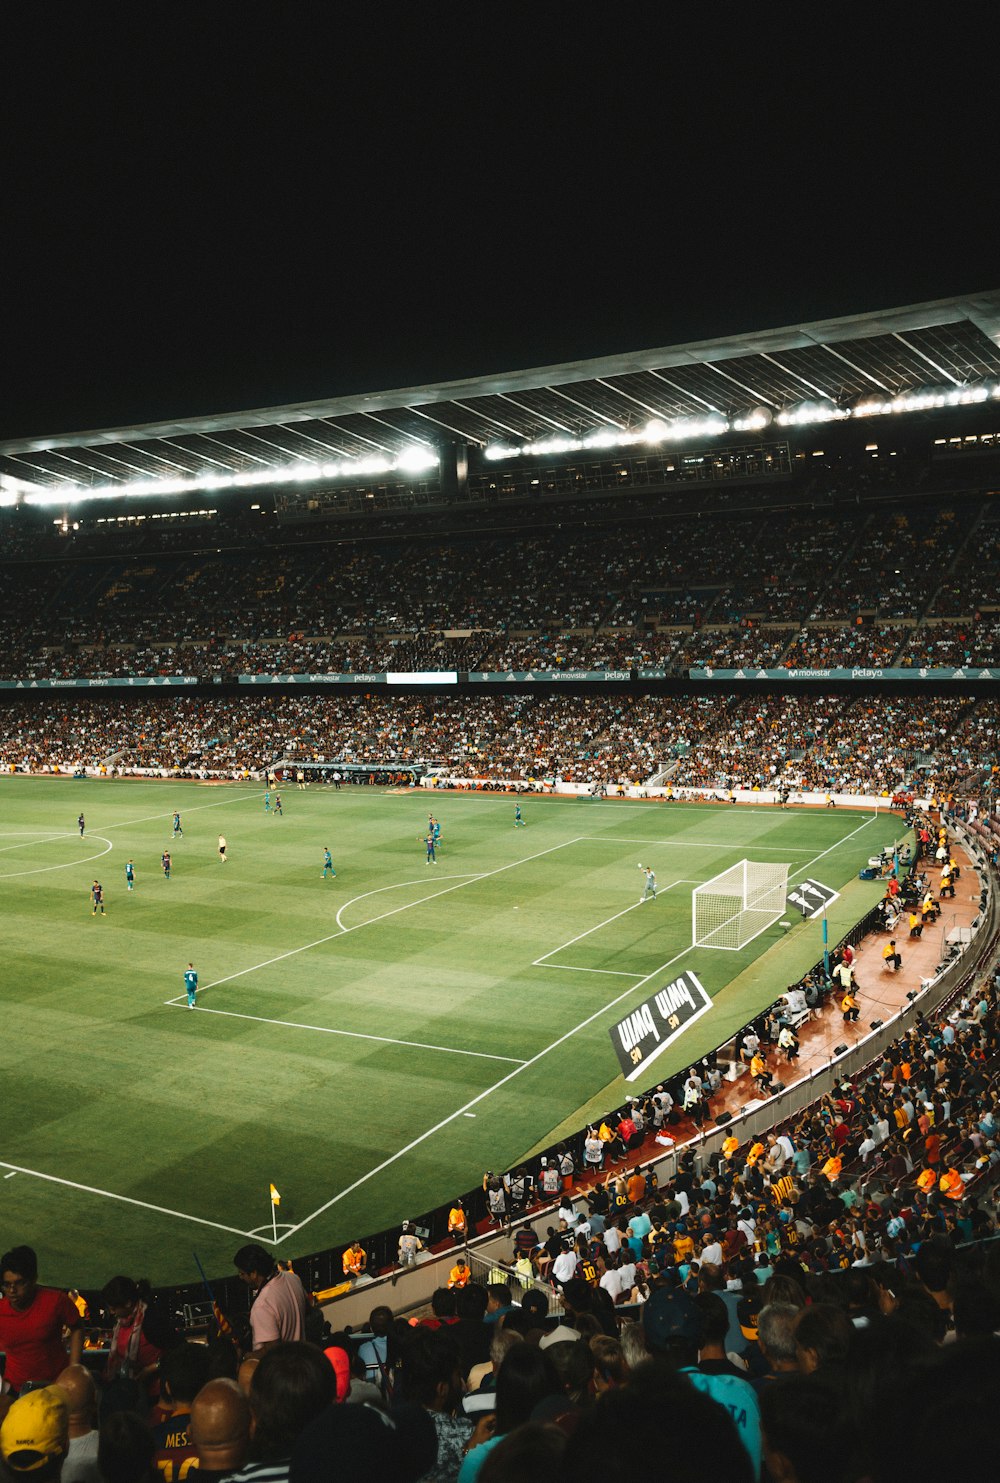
(591, 593)
(710, 742)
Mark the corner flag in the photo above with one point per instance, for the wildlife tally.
(275, 1197)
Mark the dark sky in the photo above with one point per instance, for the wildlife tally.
(203, 214)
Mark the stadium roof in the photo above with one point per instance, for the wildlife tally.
(949, 344)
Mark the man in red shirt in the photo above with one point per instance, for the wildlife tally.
(32, 1321)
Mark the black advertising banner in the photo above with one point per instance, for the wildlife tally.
(811, 898)
(645, 1033)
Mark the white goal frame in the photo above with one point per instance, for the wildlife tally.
(738, 904)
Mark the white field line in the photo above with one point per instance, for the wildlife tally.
(570, 968)
(196, 808)
(474, 1102)
(34, 836)
(449, 1050)
(802, 868)
(463, 881)
(540, 962)
(89, 1189)
(465, 875)
(635, 806)
(11, 875)
(481, 1096)
(679, 842)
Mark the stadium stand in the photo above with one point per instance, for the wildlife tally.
(805, 1223)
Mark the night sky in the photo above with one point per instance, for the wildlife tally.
(209, 214)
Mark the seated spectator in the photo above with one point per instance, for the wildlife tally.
(78, 1386)
(220, 1429)
(291, 1386)
(34, 1435)
(183, 1372)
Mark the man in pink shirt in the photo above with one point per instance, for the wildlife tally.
(278, 1311)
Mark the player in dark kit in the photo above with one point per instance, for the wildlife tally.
(165, 862)
(97, 897)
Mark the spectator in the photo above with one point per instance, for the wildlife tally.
(432, 1378)
(34, 1435)
(78, 1386)
(220, 1429)
(183, 1371)
(32, 1320)
(278, 1310)
(291, 1386)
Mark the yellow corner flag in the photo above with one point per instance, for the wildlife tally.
(275, 1197)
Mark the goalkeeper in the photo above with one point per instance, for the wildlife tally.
(649, 893)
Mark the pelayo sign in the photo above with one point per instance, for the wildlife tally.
(645, 1033)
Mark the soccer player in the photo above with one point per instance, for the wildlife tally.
(81, 825)
(191, 984)
(267, 801)
(177, 825)
(649, 893)
(165, 862)
(300, 779)
(518, 821)
(435, 830)
(328, 864)
(97, 897)
(130, 875)
(222, 848)
(429, 842)
(277, 804)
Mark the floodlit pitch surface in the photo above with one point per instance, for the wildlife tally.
(369, 1043)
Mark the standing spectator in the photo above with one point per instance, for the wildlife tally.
(278, 1311)
(32, 1320)
(139, 1337)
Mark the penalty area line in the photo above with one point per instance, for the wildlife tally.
(541, 963)
(260, 1019)
(464, 880)
(467, 1107)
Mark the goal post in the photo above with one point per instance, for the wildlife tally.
(737, 905)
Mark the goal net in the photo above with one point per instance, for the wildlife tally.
(738, 905)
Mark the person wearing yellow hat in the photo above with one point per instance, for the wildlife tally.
(34, 1437)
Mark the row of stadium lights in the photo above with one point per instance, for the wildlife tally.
(420, 459)
(804, 413)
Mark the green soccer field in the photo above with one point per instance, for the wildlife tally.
(369, 1043)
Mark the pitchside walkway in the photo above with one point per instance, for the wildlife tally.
(880, 994)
